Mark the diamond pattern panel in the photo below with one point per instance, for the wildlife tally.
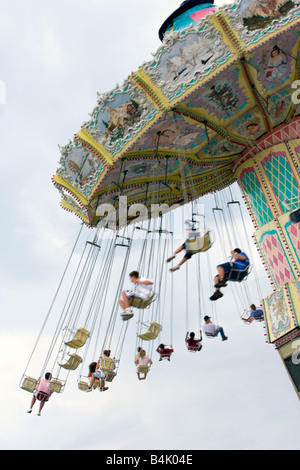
(252, 188)
(294, 233)
(276, 258)
(280, 175)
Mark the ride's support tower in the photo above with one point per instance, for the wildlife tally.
(269, 177)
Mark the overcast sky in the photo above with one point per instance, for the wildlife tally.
(55, 56)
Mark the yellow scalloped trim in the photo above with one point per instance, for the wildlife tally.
(84, 135)
(59, 180)
(67, 206)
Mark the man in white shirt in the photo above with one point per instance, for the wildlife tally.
(142, 290)
(212, 330)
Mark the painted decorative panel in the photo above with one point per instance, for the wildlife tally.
(276, 257)
(252, 187)
(281, 309)
(281, 177)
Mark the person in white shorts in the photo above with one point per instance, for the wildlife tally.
(142, 290)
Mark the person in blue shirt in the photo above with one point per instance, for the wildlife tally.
(256, 313)
(240, 263)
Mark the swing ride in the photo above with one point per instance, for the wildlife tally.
(218, 104)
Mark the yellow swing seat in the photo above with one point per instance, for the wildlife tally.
(199, 244)
(56, 385)
(107, 364)
(110, 376)
(72, 363)
(79, 339)
(152, 332)
(83, 386)
(28, 384)
(143, 369)
(141, 303)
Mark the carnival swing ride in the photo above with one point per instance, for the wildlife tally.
(218, 104)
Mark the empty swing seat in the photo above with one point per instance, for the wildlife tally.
(28, 384)
(56, 386)
(72, 363)
(79, 339)
(141, 303)
(83, 386)
(110, 376)
(152, 332)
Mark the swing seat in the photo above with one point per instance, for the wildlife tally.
(72, 363)
(56, 386)
(166, 355)
(238, 275)
(192, 348)
(152, 332)
(28, 384)
(143, 369)
(79, 339)
(259, 318)
(210, 335)
(107, 364)
(141, 303)
(83, 386)
(110, 376)
(199, 244)
(295, 216)
(247, 319)
(42, 396)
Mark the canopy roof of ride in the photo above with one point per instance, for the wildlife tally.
(177, 127)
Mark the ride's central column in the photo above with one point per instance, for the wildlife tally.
(269, 176)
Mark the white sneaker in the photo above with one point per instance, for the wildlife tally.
(127, 314)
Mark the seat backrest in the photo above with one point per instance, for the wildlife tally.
(107, 364)
(28, 384)
(56, 386)
(238, 275)
(207, 241)
(199, 243)
(209, 335)
(153, 331)
(141, 303)
(83, 386)
(72, 363)
(79, 339)
(110, 376)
